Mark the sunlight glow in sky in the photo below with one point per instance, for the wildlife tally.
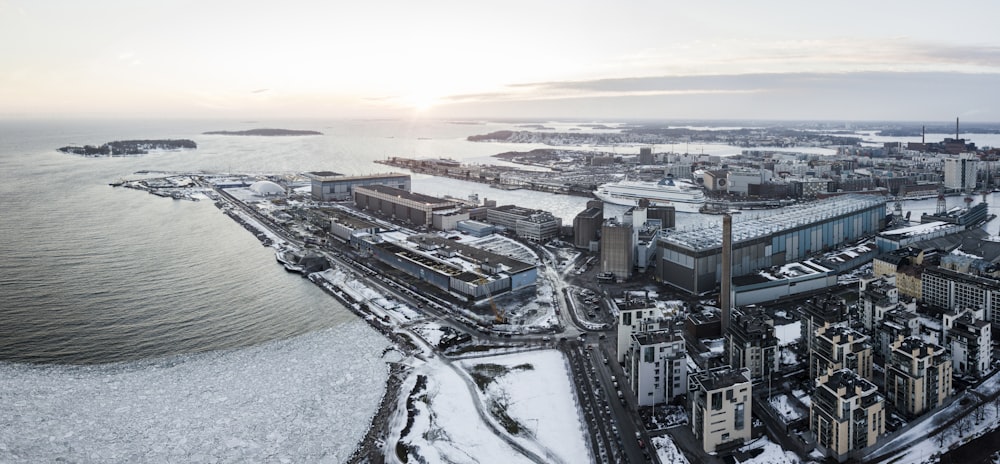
(726, 59)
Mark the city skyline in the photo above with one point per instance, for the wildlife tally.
(858, 61)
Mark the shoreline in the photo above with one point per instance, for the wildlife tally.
(367, 450)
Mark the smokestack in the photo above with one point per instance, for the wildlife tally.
(923, 134)
(956, 128)
(727, 270)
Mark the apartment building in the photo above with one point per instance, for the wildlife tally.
(846, 414)
(720, 401)
(917, 376)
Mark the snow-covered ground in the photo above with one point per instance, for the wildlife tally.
(528, 397)
(781, 405)
(667, 450)
(788, 333)
(771, 453)
(445, 426)
(802, 397)
(282, 400)
(538, 393)
(788, 357)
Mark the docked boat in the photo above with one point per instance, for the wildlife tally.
(684, 196)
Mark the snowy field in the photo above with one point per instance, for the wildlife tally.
(538, 394)
(528, 408)
(282, 401)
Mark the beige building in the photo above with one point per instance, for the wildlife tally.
(847, 414)
(917, 376)
(907, 265)
(720, 407)
(836, 347)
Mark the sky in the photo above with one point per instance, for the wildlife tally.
(662, 59)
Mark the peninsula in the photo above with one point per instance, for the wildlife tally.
(266, 132)
(129, 147)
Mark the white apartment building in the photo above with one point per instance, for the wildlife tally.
(960, 172)
(721, 400)
(656, 366)
(969, 338)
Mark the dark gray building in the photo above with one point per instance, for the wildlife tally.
(586, 226)
(332, 186)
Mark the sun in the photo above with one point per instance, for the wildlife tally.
(421, 102)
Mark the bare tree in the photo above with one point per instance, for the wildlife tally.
(942, 436)
(964, 425)
(980, 413)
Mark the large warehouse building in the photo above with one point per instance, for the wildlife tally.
(691, 260)
(453, 267)
(402, 205)
(332, 186)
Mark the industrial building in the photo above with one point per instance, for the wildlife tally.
(781, 282)
(846, 415)
(617, 249)
(690, 259)
(721, 401)
(539, 227)
(586, 226)
(894, 239)
(402, 205)
(969, 216)
(332, 186)
(454, 267)
(917, 376)
(475, 228)
(529, 224)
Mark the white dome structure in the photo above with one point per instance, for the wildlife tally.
(266, 188)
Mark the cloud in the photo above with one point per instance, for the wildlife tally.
(845, 96)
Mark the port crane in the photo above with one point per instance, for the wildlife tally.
(499, 315)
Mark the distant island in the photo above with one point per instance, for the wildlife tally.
(130, 147)
(265, 132)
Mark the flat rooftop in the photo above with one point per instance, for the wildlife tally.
(917, 230)
(709, 236)
(330, 176)
(512, 265)
(850, 380)
(723, 377)
(660, 336)
(405, 194)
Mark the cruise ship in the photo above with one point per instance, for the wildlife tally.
(684, 196)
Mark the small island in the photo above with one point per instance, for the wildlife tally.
(129, 147)
(266, 132)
